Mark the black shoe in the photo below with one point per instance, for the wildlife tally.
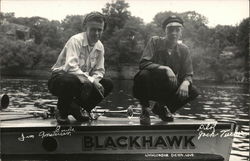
(163, 112)
(145, 117)
(61, 119)
(77, 112)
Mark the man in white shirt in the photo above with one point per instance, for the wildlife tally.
(77, 76)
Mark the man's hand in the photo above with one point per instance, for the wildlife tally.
(182, 91)
(99, 86)
(170, 74)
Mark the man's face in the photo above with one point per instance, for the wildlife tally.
(173, 33)
(94, 31)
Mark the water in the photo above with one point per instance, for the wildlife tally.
(217, 101)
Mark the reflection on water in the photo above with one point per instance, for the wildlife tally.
(220, 102)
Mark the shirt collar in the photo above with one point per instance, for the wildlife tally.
(85, 43)
(175, 49)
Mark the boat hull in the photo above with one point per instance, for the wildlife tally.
(117, 138)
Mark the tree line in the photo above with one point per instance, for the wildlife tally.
(219, 53)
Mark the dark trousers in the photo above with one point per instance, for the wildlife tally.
(154, 85)
(68, 88)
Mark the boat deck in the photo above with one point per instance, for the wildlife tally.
(101, 121)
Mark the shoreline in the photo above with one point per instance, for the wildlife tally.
(124, 73)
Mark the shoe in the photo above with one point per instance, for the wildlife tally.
(77, 112)
(163, 112)
(62, 120)
(145, 117)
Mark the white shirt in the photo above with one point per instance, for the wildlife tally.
(76, 58)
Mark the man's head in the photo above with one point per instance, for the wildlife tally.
(173, 28)
(94, 24)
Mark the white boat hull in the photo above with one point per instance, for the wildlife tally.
(116, 137)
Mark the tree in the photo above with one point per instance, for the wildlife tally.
(117, 15)
(243, 44)
(71, 25)
(119, 48)
(7, 16)
(223, 40)
(53, 35)
(126, 44)
(38, 26)
(226, 35)
(15, 56)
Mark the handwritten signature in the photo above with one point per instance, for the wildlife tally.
(22, 137)
(57, 132)
(209, 131)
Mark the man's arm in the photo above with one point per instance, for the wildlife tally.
(187, 74)
(98, 71)
(188, 67)
(147, 56)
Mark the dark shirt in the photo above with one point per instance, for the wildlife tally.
(157, 54)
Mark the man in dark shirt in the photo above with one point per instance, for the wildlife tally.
(165, 74)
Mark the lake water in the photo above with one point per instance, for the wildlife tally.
(217, 101)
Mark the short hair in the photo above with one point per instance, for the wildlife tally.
(94, 16)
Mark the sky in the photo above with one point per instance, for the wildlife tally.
(223, 12)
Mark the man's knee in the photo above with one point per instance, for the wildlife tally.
(85, 90)
(63, 84)
(142, 76)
